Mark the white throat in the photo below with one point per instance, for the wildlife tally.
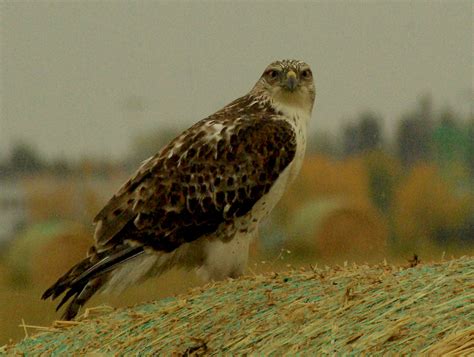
(299, 116)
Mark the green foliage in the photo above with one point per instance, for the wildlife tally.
(383, 172)
(470, 148)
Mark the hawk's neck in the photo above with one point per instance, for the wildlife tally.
(293, 108)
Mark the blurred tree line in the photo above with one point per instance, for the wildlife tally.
(26, 160)
(422, 136)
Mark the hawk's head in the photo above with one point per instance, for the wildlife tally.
(288, 83)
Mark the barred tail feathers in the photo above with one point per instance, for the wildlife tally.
(84, 279)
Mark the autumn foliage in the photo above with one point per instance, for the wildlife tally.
(428, 210)
(381, 208)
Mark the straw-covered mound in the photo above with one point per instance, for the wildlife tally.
(347, 310)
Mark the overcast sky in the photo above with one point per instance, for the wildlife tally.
(69, 68)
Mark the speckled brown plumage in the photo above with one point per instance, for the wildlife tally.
(205, 183)
(212, 173)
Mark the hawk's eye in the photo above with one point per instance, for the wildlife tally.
(306, 74)
(273, 74)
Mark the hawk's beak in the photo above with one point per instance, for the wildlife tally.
(291, 80)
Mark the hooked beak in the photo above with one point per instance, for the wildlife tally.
(291, 81)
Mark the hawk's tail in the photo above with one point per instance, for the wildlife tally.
(85, 278)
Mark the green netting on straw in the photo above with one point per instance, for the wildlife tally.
(343, 310)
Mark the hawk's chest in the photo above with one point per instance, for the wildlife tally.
(299, 122)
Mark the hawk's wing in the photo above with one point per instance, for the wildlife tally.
(215, 171)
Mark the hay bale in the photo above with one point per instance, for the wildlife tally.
(426, 309)
(337, 228)
(352, 232)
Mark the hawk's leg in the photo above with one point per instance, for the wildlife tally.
(225, 259)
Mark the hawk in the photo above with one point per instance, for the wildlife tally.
(198, 202)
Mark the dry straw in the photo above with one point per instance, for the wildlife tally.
(426, 309)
